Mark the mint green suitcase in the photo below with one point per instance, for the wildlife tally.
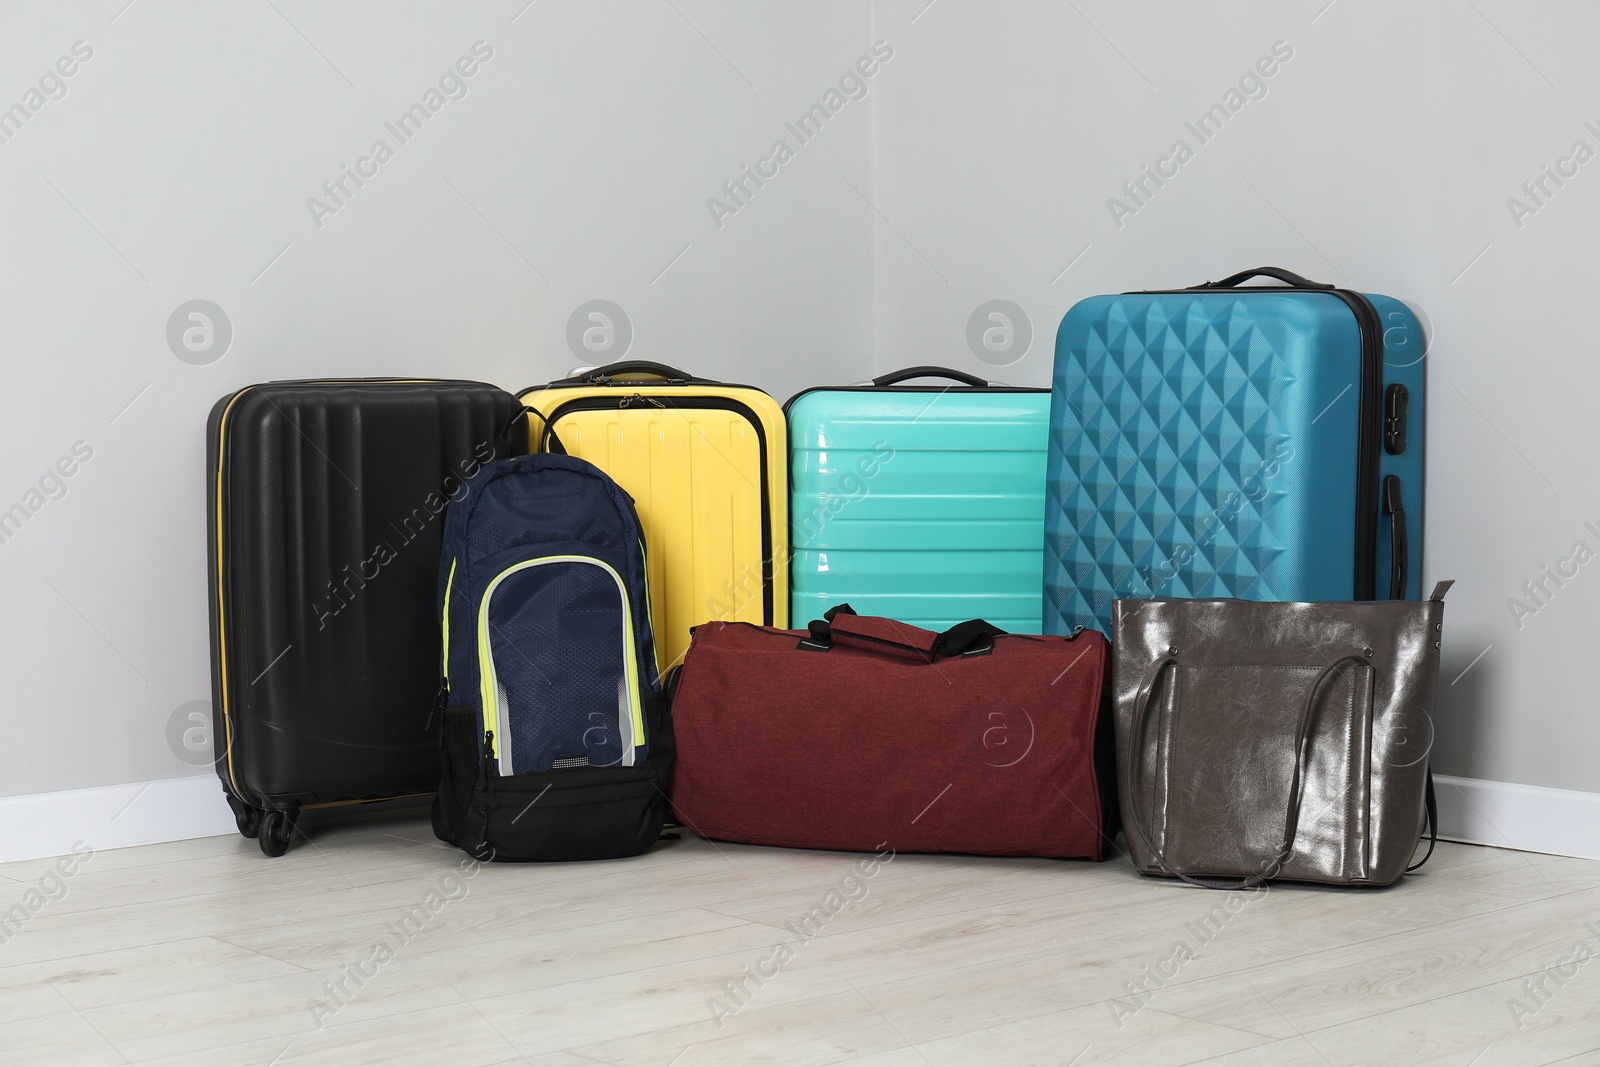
(923, 503)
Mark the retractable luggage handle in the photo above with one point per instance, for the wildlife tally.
(1288, 277)
(842, 626)
(908, 373)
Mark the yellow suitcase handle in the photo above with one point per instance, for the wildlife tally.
(637, 367)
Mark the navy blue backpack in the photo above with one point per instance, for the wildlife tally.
(555, 743)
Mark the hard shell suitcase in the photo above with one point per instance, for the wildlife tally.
(919, 502)
(325, 508)
(707, 466)
(1264, 443)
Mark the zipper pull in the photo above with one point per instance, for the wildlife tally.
(440, 702)
(486, 768)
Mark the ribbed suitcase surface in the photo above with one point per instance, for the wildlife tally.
(326, 505)
(921, 503)
(705, 463)
(1230, 443)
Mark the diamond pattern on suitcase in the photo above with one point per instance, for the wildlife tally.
(1166, 429)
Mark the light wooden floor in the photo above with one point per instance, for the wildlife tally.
(206, 953)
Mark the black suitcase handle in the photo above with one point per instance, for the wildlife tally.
(1288, 277)
(631, 366)
(896, 377)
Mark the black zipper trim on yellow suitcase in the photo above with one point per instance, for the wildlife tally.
(691, 402)
(1369, 424)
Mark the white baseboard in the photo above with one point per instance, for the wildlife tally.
(1561, 822)
(113, 816)
(1530, 818)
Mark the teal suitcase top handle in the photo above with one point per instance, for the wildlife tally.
(1288, 277)
(908, 373)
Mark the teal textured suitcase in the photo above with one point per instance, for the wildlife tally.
(923, 503)
(1258, 442)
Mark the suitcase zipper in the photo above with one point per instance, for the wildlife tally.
(1369, 443)
(444, 652)
(495, 716)
(649, 609)
(719, 403)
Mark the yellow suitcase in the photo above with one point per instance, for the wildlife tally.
(707, 465)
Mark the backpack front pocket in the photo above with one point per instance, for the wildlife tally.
(560, 677)
(599, 813)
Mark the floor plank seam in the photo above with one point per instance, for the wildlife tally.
(109, 1043)
(881, 926)
(1224, 1055)
(1389, 936)
(957, 957)
(1568, 1059)
(1431, 1000)
(302, 968)
(57, 961)
(1265, 1038)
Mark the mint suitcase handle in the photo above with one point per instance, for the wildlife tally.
(1288, 277)
(896, 377)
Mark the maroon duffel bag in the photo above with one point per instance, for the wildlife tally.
(867, 734)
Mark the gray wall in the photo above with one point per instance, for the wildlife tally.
(577, 166)
(1381, 156)
(177, 166)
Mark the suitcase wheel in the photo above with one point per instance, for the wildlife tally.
(275, 830)
(249, 819)
(246, 816)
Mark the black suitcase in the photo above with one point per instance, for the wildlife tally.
(325, 508)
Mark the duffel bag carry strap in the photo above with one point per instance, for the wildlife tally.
(842, 626)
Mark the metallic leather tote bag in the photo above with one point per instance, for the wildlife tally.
(1276, 740)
